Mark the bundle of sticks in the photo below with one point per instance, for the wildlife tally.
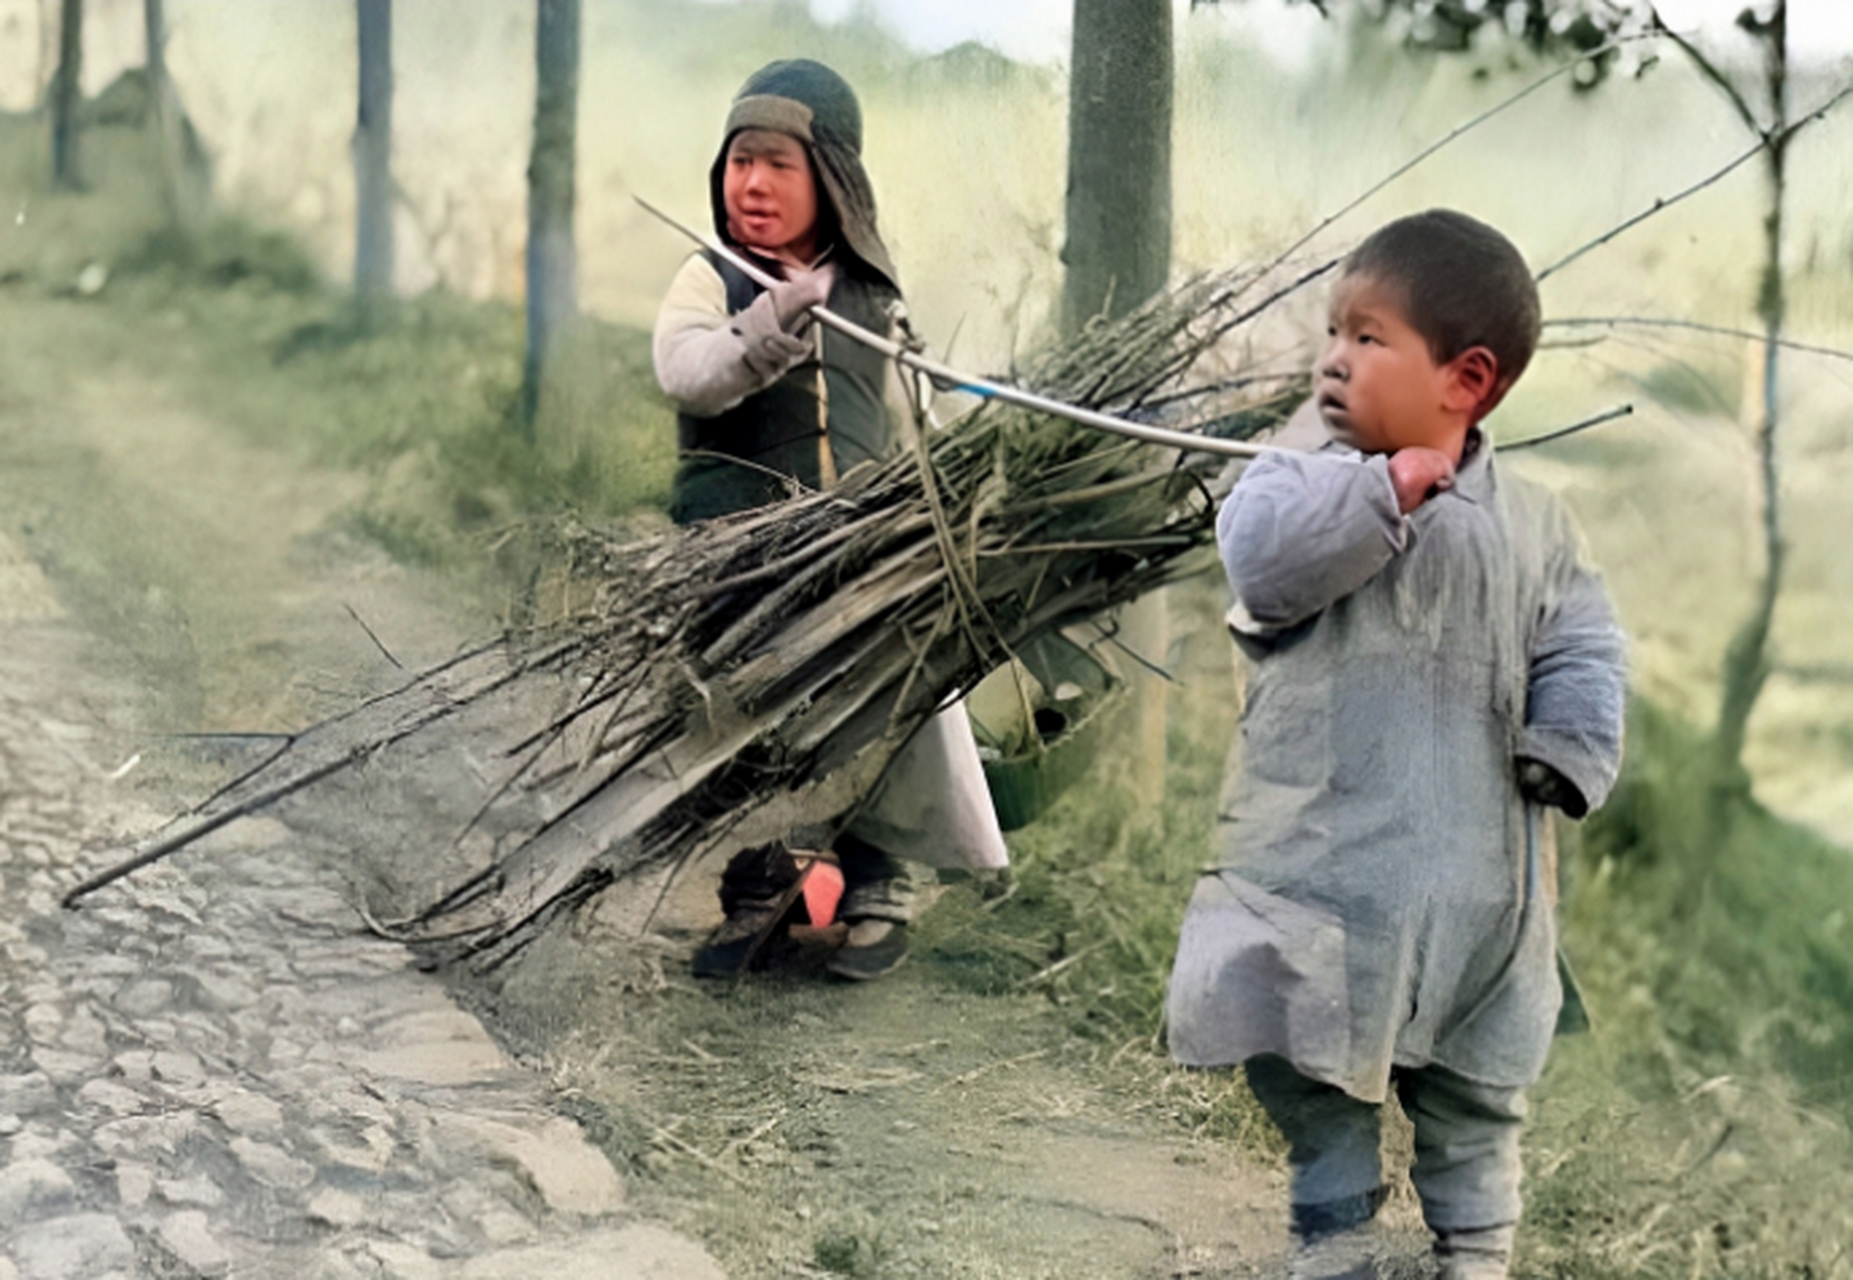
(711, 673)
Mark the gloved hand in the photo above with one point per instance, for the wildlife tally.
(792, 300)
(775, 326)
(1541, 784)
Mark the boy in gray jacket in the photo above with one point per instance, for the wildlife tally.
(1432, 663)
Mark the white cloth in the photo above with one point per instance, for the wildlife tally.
(932, 805)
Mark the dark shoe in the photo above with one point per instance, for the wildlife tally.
(1475, 1255)
(731, 948)
(1346, 1255)
(759, 911)
(874, 947)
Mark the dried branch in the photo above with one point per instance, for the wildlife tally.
(720, 669)
(1767, 141)
(1722, 331)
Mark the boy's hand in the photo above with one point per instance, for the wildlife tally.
(792, 300)
(1418, 474)
(776, 326)
(1541, 784)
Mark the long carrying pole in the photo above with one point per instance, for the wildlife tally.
(948, 376)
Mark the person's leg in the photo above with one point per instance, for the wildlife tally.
(878, 903)
(1333, 1157)
(1467, 1168)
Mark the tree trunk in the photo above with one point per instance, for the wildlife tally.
(1118, 249)
(185, 186)
(154, 31)
(373, 242)
(1118, 253)
(1746, 662)
(66, 93)
(551, 262)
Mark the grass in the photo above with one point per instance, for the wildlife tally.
(1702, 1130)
(420, 397)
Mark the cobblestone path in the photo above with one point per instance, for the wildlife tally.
(212, 1069)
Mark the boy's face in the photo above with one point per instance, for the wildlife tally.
(770, 195)
(1377, 384)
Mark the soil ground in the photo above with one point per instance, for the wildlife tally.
(907, 1127)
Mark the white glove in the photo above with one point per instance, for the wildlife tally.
(775, 326)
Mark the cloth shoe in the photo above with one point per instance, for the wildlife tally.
(761, 890)
(1342, 1255)
(1475, 1255)
(874, 947)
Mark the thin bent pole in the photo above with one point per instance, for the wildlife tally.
(947, 376)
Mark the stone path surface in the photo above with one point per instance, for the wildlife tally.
(212, 1069)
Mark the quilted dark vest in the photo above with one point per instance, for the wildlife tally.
(836, 404)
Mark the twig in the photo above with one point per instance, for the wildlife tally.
(1059, 967)
(1620, 411)
(707, 1161)
(1764, 142)
(951, 378)
(1722, 331)
(205, 826)
(1443, 141)
(1708, 69)
(377, 642)
(960, 1081)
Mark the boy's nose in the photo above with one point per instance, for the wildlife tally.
(1332, 365)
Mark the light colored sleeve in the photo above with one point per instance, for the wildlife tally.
(708, 361)
(1576, 695)
(1301, 531)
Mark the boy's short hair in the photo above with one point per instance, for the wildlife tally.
(1463, 284)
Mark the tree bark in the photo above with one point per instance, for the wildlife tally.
(1118, 249)
(551, 260)
(373, 235)
(66, 94)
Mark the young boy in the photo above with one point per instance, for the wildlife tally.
(770, 402)
(1431, 663)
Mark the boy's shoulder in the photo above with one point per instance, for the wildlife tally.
(1532, 508)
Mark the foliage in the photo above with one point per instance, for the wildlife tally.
(231, 250)
(1544, 27)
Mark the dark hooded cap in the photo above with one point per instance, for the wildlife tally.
(815, 105)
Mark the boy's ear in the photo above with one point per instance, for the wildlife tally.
(1474, 385)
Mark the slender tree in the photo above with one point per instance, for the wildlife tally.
(1118, 248)
(1746, 659)
(66, 94)
(373, 185)
(185, 170)
(154, 32)
(552, 259)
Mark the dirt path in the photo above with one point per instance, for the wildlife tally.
(214, 1069)
(226, 1069)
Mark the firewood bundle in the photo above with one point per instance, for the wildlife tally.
(713, 680)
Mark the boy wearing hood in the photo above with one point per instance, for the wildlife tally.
(767, 400)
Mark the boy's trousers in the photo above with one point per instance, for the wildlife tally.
(1466, 1148)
